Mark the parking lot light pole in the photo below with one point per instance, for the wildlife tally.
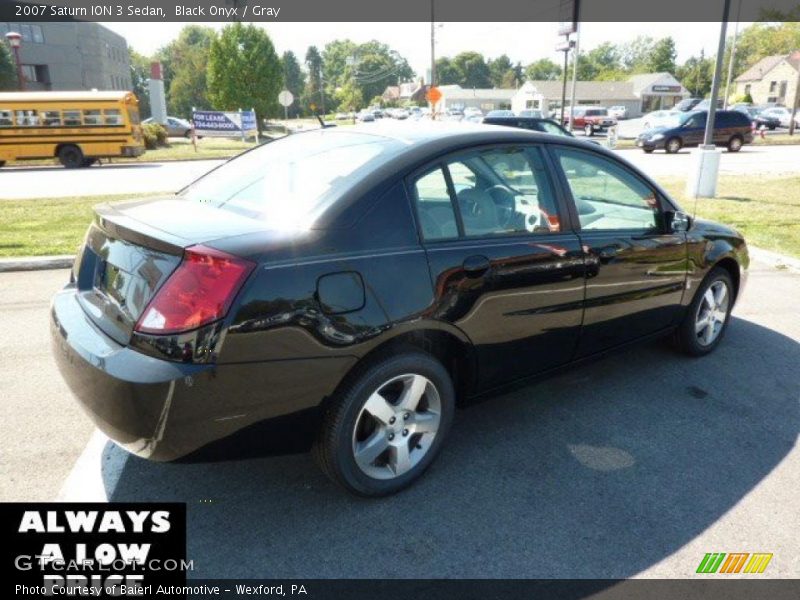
(704, 169)
(15, 41)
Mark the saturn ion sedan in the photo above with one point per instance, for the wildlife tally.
(373, 278)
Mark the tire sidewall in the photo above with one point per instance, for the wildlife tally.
(735, 144)
(688, 335)
(357, 395)
(668, 144)
(71, 157)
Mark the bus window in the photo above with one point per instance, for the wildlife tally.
(92, 117)
(27, 118)
(133, 115)
(51, 118)
(5, 118)
(72, 118)
(113, 116)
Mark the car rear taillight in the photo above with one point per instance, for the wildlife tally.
(198, 292)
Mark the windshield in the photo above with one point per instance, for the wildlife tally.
(288, 182)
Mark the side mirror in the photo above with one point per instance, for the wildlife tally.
(678, 221)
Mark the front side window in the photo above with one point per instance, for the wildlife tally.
(112, 116)
(607, 196)
(92, 117)
(6, 117)
(503, 191)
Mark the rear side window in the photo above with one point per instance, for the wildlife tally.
(437, 218)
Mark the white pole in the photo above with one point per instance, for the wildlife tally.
(574, 73)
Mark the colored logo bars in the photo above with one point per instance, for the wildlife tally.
(734, 562)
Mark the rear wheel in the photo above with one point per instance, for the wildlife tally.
(387, 425)
(673, 145)
(71, 156)
(708, 315)
(735, 144)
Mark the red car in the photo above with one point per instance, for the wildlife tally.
(590, 119)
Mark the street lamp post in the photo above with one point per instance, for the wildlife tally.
(15, 41)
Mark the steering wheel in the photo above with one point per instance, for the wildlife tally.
(505, 201)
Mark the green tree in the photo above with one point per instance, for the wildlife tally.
(446, 72)
(543, 69)
(350, 97)
(314, 91)
(473, 70)
(140, 74)
(599, 61)
(634, 55)
(662, 58)
(499, 68)
(696, 74)
(184, 62)
(244, 71)
(294, 80)
(8, 72)
(761, 40)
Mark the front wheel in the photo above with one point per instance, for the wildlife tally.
(673, 145)
(2, 163)
(387, 424)
(71, 157)
(707, 316)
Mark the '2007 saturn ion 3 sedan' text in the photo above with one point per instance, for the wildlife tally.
(373, 278)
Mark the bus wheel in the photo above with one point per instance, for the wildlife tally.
(88, 162)
(71, 156)
(2, 163)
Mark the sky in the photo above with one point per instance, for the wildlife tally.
(524, 42)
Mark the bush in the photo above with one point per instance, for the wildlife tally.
(155, 135)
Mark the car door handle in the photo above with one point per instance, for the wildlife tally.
(476, 265)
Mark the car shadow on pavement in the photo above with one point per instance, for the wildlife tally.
(597, 473)
(103, 166)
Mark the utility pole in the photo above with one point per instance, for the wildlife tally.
(708, 139)
(732, 58)
(431, 83)
(575, 56)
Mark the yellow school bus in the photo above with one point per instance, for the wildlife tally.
(76, 127)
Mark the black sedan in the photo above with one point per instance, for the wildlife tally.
(369, 279)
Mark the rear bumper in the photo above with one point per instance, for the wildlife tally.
(163, 410)
(132, 150)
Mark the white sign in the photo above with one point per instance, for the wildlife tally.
(285, 98)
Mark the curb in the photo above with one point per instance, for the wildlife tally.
(36, 263)
(775, 260)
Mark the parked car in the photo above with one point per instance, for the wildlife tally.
(618, 112)
(687, 104)
(530, 123)
(782, 114)
(175, 127)
(364, 283)
(531, 113)
(706, 104)
(661, 118)
(500, 113)
(365, 116)
(759, 120)
(732, 129)
(472, 111)
(590, 119)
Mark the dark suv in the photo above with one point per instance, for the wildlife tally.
(732, 129)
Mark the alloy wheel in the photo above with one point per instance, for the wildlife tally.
(712, 313)
(396, 426)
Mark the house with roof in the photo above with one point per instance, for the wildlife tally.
(409, 91)
(639, 95)
(772, 80)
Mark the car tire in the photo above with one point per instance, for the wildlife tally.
(588, 130)
(371, 455)
(71, 156)
(648, 150)
(673, 145)
(735, 144)
(706, 319)
(771, 127)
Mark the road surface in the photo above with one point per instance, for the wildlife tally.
(633, 466)
(52, 182)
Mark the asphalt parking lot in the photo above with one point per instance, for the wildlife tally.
(635, 465)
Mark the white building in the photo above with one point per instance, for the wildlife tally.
(640, 94)
(454, 97)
